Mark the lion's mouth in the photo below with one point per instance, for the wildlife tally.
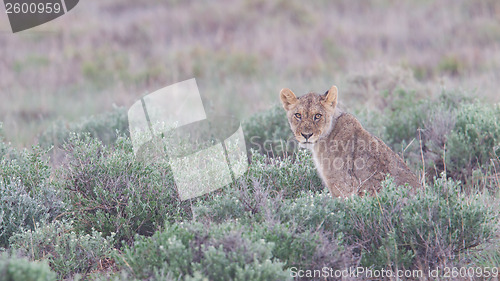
(307, 142)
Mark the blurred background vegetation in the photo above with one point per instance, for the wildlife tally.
(106, 54)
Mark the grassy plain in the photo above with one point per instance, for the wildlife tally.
(242, 53)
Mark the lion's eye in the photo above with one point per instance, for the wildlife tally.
(317, 117)
(298, 116)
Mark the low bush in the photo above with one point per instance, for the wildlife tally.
(222, 207)
(312, 211)
(26, 194)
(474, 141)
(3, 146)
(106, 127)
(269, 133)
(109, 190)
(464, 131)
(29, 167)
(487, 258)
(299, 242)
(402, 119)
(19, 209)
(268, 181)
(194, 251)
(396, 230)
(13, 268)
(302, 249)
(67, 251)
(289, 175)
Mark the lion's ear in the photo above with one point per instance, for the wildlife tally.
(330, 99)
(288, 98)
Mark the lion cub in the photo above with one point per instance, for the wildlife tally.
(348, 158)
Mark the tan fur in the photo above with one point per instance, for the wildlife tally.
(348, 158)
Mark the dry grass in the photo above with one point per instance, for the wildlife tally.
(111, 52)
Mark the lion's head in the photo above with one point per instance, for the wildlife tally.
(310, 116)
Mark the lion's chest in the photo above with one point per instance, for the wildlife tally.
(345, 165)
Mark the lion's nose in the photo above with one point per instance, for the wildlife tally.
(307, 136)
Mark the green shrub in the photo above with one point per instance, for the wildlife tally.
(26, 194)
(305, 240)
(394, 229)
(194, 251)
(404, 116)
(20, 269)
(242, 201)
(19, 209)
(288, 175)
(68, 252)
(269, 133)
(313, 210)
(115, 276)
(301, 248)
(112, 276)
(109, 190)
(469, 132)
(222, 207)
(267, 181)
(106, 127)
(31, 168)
(488, 256)
(3, 146)
(474, 140)
(305, 232)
